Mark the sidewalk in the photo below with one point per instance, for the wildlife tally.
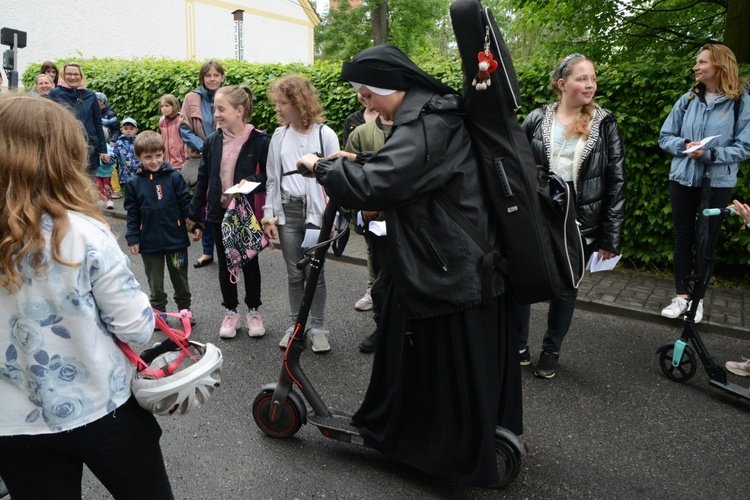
(620, 292)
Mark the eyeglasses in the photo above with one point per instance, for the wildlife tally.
(73, 74)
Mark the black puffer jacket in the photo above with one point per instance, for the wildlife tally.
(207, 194)
(436, 266)
(600, 183)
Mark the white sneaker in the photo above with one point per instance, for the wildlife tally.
(699, 313)
(320, 340)
(110, 205)
(285, 339)
(365, 303)
(229, 325)
(677, 308)
(741, 368)
(255, 326)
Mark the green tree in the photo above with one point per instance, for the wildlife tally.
(409, 24)
(621, 29)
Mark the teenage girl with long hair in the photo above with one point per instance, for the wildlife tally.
(234, 154)
(294, 203)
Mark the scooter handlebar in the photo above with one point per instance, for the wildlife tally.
(708, 212)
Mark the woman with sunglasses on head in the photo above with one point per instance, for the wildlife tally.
(718, 105)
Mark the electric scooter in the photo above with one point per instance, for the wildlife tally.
(280, 412)
(678, 359)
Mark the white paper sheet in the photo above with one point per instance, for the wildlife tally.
(703, 143)
(377, 227)
(311, 238)
(596, 264)
(246, 188)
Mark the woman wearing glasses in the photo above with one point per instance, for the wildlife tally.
(72, 92)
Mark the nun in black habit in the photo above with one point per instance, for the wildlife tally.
(446, 368)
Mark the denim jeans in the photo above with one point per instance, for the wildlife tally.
(207, 240)
(121, 449)
(291, 235)
(559, 315)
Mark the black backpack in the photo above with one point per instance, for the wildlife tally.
(534, 211)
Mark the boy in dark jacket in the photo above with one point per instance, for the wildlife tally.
(157, 202)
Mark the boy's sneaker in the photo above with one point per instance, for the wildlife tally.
(741, 368)
(320, 340)
(116, 194)
(255, 326)
(365, 303)
(110, 205)
(547, 365)
(229, 325)
(161, 315)
(524, 356)
(285, 339)
(677, 308)
(192, 316)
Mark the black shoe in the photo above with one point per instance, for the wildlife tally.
(368, 344)
(547, 365)
(524, 356)
(203, 263)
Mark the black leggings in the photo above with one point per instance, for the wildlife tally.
(685, 204)
(250, 273)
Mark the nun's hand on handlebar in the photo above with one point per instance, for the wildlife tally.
(308, 161)
(349, 156)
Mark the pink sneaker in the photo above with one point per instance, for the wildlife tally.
(255, 326)
(229, 325)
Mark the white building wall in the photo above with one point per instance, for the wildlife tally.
(274, 30)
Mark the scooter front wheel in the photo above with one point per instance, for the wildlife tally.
(288, 423)
(508, 463)
(686, 368)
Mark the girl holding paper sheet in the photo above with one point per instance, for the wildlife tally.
(231, 155)
(581, 143)
(718, 105)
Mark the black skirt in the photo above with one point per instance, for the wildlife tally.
(439, 387)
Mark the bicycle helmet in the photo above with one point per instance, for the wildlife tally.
(176, 375)
(190, 385)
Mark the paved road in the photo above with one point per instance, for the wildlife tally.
(608, 426)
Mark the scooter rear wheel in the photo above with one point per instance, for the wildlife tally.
(286, 426)
(508, 463)
(682, 372)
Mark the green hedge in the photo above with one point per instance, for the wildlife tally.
(640, 93)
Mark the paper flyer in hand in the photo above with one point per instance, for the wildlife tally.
(596, 264)
(246, 188)
(702, 144)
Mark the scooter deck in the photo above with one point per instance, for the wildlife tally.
(337, 427)
(731, 388)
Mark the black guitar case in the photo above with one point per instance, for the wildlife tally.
(534, 209)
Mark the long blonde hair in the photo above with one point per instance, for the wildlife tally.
(728, 81)
(44, 155)
(564, 69)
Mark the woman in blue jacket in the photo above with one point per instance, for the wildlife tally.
(718, 105)
(72, 92)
